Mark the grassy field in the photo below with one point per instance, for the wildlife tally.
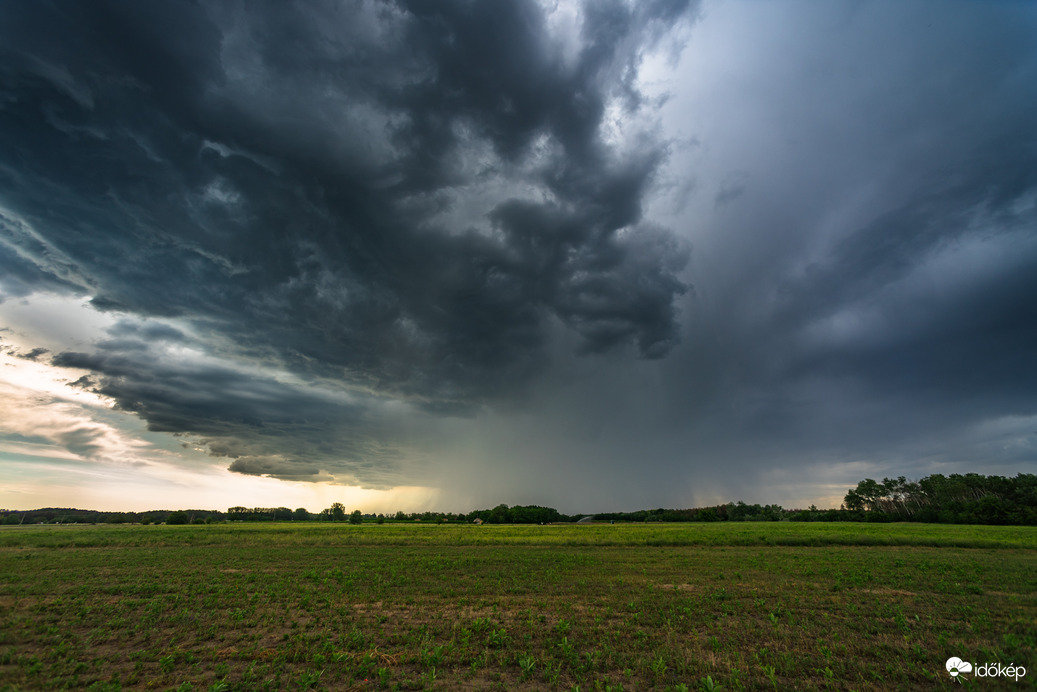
(669, 607)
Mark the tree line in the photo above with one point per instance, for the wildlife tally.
(970, 498)
(501, 514)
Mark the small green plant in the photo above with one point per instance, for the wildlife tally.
(770, 674)
(528, 664)
(430, 677)
(355, 639)
(498, 638)
(310, 679)
(433, 657)
(709, 685)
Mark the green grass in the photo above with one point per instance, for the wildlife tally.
(689, 534)
(668, 607)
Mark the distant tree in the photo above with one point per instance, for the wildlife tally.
(356, 517)
(178, 517)
(301, 514)
(708, 514)
(338, 511)
(499, 514)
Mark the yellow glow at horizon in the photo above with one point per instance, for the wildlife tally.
(162, 486)
(131, 472)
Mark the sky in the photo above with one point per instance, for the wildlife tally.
(597, 256)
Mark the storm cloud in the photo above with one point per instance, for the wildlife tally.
(408, 197)
(241, 411)
(716, 245)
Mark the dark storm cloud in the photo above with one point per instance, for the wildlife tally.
(147, 332)
(403, 195)
(268, 427)
(328, 227)
(34, 355)
(872, 312)
(984, 199)
(142, 162)
(866, 293)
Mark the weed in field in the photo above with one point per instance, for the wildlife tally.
(770, 674)
(430, 677)
(528, 665)
(709, 685)
(498, 638)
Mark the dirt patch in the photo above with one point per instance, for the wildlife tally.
(890, 592)
(676, 587)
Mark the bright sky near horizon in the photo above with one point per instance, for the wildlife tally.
(602, 255)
